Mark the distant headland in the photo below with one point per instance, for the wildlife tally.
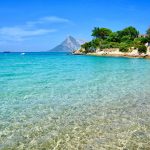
(68, 45)
(125, 43)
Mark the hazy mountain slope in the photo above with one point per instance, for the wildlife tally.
(68, 45)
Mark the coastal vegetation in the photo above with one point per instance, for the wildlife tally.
(125, 40)
(148, 32)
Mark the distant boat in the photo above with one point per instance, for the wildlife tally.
(22, 53)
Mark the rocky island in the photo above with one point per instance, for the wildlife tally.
(124, 43)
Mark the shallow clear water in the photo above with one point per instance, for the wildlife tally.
(60, 101)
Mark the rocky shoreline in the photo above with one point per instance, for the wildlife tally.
(115, 53)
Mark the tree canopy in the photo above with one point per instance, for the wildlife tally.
(114, 37)
(130, 31)
(101, 33)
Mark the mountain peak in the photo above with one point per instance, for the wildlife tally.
(68, 45)
(70, 37)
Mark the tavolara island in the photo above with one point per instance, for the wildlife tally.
(125, 43)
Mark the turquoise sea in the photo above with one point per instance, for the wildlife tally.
(65, 102)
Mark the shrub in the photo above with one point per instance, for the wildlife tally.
(114, 45)
(139, 41)
(142, 49)
(126, 39)
(113, 37)
(88, 47)
(123, 47)
(95, 43)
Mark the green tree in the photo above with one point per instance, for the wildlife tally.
(140, 40)
(129, 31)
(88, 47)
(148, 32)
(123, 47)
(113, 37)
(126, 39)
(105, 44)
(95, 32)
(101, 33)
(95, 43)
(142, 49)
(114, 45)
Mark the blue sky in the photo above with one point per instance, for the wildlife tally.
(39, 25)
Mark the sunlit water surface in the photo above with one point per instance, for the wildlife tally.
(66, 102)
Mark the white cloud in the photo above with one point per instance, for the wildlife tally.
(29, 29)
(48, 19)
(19, 34)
